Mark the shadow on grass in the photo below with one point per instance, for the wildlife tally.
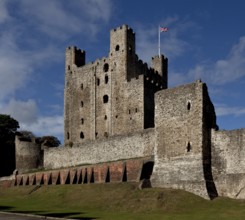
(5, 208)
(57, 215)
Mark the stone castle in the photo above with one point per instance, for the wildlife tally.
(123, 123)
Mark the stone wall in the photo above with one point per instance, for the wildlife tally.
(136, 145)
(179, 139)
(228, 162)
(28, 154)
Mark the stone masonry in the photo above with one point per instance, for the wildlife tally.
(123, 123)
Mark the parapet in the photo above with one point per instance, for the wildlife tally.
(75, 56)
(123, 27)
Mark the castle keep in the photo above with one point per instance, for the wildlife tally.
(123, 123)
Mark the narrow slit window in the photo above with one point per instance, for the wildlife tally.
(106, 79)
(188, 106)
(188, 147)
(82, 104)
(82, 135)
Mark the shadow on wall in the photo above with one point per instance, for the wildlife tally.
(7, 160)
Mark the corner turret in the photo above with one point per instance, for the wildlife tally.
(160, 64)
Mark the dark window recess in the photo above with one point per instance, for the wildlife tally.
(147, 170)
(188, 106)
(136, 110)
(106, 67)
(81, 103)
(68, 67)
(96, 134)
(82, 121)
(106, 79)
(82, 135)
(106, 134)
(188, 147)
(68, 135)
(81, 86)
(117, 48)
(105, 98)
(105, 117)
(129, 112)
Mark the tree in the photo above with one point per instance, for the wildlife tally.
(26, 134)
(50, 141)
(8, 127)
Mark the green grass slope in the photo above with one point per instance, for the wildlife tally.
(117, 201)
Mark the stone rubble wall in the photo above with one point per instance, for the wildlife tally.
(120, 147)
(228, 162)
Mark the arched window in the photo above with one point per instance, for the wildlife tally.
(117, 48)
(82, 135)
(105, 98)
(106, 67)
(105, 117)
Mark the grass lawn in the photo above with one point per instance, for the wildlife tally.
(117, 201)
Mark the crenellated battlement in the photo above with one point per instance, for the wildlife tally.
(124, 27)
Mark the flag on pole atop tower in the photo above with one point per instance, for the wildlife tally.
(163, 29)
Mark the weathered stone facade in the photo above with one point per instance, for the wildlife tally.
(119, 115)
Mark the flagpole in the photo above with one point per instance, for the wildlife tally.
(159, 47)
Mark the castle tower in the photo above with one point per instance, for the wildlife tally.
(160, 64)
(113, 95)
(122, 51)
(74, 58)
(28, 154)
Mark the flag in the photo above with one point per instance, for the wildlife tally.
(163, 29)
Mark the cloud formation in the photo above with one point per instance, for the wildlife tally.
(222, 71)
(224, 110)
(32, 35)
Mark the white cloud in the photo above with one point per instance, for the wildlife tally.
(223, 110)
(46, 125)
(61, 19)
(172, 44)
(3, 11)
(25, 112)
(225, 70)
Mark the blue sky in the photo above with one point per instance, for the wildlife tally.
(206, 40)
